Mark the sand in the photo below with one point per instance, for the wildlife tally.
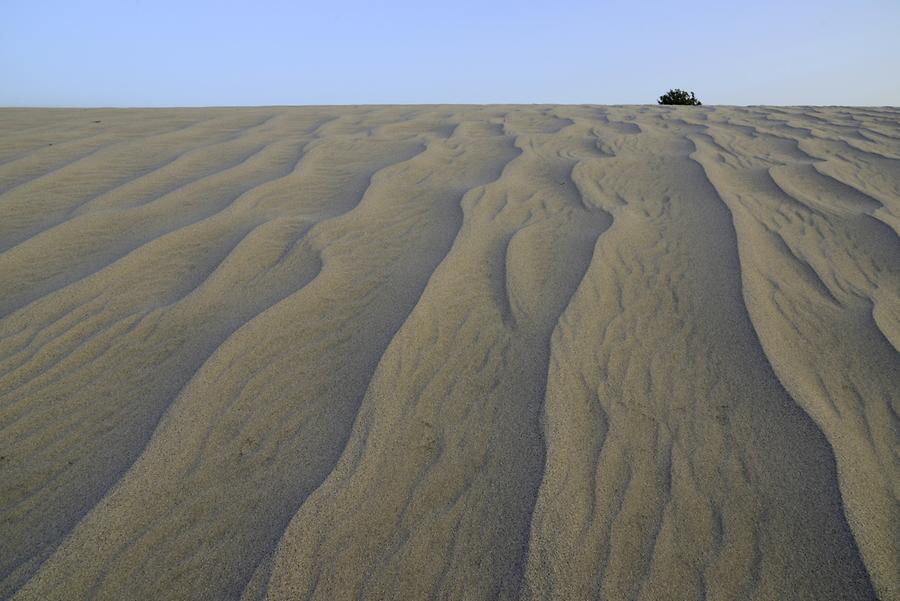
(446, 352)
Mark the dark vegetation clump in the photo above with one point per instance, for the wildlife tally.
(677, 96)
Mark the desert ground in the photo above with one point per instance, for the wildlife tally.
(450, 352)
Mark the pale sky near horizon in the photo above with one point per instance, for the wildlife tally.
(200, 53)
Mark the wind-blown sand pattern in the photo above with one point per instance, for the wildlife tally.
(442, 352)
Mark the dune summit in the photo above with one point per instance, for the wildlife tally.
(443, 352)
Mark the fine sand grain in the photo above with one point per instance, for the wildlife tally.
(444, 352)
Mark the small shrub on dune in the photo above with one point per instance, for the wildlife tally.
(677, 96)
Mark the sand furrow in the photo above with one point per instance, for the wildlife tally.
(369, 273)
(177, 334)
(169, 131)
(87, 244)
(524, 242)
(811, 280)
(450, 352)
(51, 151)
(48, 200)
(671, 446)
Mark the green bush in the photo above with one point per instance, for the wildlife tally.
(677, 96)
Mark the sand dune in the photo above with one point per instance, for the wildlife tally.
(517, 352)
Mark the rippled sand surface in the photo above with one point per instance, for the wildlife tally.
(444, 352)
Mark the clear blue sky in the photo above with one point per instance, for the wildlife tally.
(183, 53)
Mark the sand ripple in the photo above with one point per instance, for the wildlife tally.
(543, 352)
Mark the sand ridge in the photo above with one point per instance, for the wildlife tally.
(535, 352)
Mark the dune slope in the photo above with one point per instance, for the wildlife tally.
(517, 352)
